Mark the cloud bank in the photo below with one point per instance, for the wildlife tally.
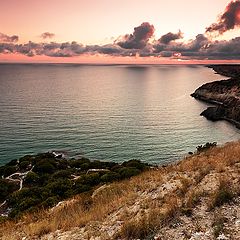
(141, 43)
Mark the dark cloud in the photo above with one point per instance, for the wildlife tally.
(135, 44)
(6, 38)
(230, 19)
(199, 48)
(167, 38)
(224, 49)
(194, 45)
(47, 35)
(139, 38)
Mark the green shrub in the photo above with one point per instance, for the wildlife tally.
(62, 164)
(19, 196)
(79, 162)
(135, 164)
(31, 178)
(128, 172)
(85, 166)
(28, 202)
(59, 187)
(89, 179)
(23, 165)
(44, 166)
(50, 202)
(110, 177)
(206, 146)
(79, 188)
(8, 170)
(27, 158)
(62, 174)
(7, 188)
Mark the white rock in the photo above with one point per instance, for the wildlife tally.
(222, 237)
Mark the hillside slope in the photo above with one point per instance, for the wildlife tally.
(195, 198)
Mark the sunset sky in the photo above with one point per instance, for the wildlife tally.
(103, 31)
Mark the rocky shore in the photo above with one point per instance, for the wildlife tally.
(224, 94)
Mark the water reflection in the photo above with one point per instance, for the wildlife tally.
(107, 112)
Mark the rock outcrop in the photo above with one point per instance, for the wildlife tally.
(224, 94)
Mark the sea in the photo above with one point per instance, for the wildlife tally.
(106, 112)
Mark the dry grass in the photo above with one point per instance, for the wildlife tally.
(148, 223)
(154, 213)
(223, 194)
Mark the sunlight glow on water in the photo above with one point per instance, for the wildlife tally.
(105, 112)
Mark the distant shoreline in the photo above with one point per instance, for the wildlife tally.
(120, 64)
(224, 94)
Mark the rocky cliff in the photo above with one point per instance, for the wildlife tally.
(224, 94)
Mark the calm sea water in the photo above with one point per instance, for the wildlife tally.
(105, 112)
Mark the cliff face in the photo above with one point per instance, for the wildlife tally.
(224, 94)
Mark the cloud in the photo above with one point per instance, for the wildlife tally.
(139, 38)
(194, 45)
(167, 38)
(230, 19)
(198, 48)
(46, 35)
(139, 43)
(6, 38)
(224, 49)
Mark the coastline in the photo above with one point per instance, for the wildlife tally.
(195, 198)
(224, 94)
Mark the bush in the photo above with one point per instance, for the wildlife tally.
(44, 166)
(218, 225)
(79, 188)
(135, 164)
(110, 177)
(59, 187)
(8, 170)
(62, 164)
(206, 146)
(7, 188)
(128, 172)
(31, 178)
(23, 165)
(79, 162)
(17, 197)
(28, 202)
(221, 196)
(27, 158)
(89, 179)
(62, 174)
(50, 202)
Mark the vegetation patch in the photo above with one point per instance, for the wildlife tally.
(41, 181)
(222, 195)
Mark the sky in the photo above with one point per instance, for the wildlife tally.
(119, 31)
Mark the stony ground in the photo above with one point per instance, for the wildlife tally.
(174, 202)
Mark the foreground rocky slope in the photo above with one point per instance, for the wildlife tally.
(196, 198)
(224, 94)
